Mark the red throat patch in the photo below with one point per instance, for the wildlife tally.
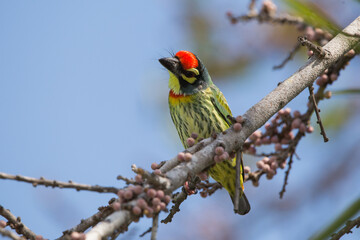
(187, 59)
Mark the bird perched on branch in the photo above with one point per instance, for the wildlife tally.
(198, 106)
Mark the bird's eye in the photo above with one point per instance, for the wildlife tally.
(189, 74)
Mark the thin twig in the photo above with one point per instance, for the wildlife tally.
(54, 183)
(317, 110)
(89, 222)
(270, 19)
(286, 176)
(155, 225)
(179, 198)
(318, 51)
(208, 187)
(289, 57)
(15, 223)
(125, 179)
(7, 233)
(237, 183)
(346, 229)
(146, 232)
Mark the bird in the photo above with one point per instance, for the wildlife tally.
(198, 106)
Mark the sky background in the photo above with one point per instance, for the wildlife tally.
(83, 96)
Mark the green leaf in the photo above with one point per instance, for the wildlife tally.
(339, 221)
(336, 116)
(313, 15)
(347, 91)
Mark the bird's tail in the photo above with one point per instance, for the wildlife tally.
(225, 174)
(244, 205)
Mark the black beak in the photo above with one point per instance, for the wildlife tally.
(171, 64)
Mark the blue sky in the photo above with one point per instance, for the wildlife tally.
(82, 97)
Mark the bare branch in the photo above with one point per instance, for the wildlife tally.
(89, 222)
(7, 233)
(178, 199)
(346, 229)
(289, 57)
(155, 226)
(53, 183)
(317, 110)
(286, 177)
(15, 223)
(319, 51)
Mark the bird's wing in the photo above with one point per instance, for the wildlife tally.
(221, 104)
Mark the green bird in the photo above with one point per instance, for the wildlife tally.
(198, 106)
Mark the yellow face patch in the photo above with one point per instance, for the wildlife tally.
(174, 84)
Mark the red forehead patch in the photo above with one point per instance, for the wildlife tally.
(187, 59)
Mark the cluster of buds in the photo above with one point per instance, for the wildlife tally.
(153, 201)
(280, 132)
(317, 35)
(328, 77)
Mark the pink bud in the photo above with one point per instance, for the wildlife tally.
(237, 127)
(266, 168)
(155, 201)
(309, 129)
(287, 111)
(190, 142)
(239, 119)
(2, 224)
(116, 206)
(167, 199)
(224, 156)
(138, 178)
(120, 193)
(274, 165)
(162, 206)
(151, 192)
(187, 157)
(160, 194)
(137, 189)
(265, 160)
(247, 169)
(296, 123)
(154, 166)
(260, 164)
(181, 156)
(219, 150)
(157, 172)
(283, 165)
(136, 210)
(128, 194)
(141, 203)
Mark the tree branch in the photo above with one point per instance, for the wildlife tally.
(15, 223)
(7, 233)
(255, 117)
(53, 183)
